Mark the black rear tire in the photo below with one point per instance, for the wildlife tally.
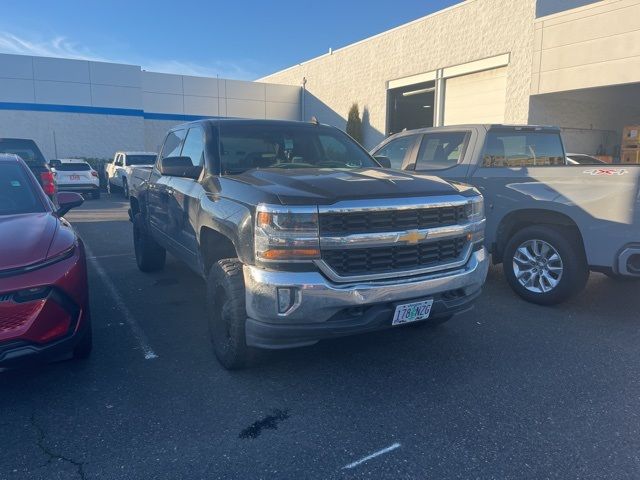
(227, 314)
(150, 256)
(568, 245)
(125, 188)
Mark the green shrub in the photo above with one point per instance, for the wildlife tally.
(354, 123)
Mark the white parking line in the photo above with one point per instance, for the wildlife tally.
(140, 336)
(373, 455)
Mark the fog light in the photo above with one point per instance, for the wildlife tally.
(287, 297)
(30, 294)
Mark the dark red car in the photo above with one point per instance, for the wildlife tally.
(44, 302)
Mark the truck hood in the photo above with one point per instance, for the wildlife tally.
(25, 238)
(327, 186)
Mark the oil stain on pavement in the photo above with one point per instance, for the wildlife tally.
(270, 422)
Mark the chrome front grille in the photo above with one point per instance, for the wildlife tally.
(363, 261)
(390, 220)
(360, 241)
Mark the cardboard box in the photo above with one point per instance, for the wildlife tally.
(630, 156)
(631, 136)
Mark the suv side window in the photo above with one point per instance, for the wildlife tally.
(522, 149)
(397, 150)
(441, 150)
(194, 146)
(172, 144)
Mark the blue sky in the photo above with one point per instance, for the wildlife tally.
(234, 39)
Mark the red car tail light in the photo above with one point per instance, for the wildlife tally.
(48, 184)
(94, 173)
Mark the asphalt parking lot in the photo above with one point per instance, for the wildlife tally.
(509, 390)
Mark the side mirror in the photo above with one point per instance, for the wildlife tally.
(385, 162)
(179, 167)
(66, 201)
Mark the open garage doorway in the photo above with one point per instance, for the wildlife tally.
(411, 107)
(591, 119)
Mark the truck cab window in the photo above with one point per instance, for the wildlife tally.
(194, 147)
(441, 150)
(173, 144)
(397, 150)
(523, 149)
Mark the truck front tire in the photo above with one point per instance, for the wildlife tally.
(545, 264)
(227, 314)
(150, 256)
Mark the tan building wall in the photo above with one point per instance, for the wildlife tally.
(470, 31)
(592, 46)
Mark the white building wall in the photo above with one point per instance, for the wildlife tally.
(93, 109)
(472, 30)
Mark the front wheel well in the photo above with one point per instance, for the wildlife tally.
(519, 219)
(214, 246)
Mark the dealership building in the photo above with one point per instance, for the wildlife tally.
(571, 63)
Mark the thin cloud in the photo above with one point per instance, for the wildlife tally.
(55, 47)
(62, 47)
(223, 69)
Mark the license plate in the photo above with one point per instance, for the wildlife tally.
(412, 312)
(74, 177)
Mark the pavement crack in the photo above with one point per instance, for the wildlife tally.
(270, 422)
(40, 442)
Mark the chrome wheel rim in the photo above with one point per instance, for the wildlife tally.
(537, 266)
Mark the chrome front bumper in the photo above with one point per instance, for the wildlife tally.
(318, 300)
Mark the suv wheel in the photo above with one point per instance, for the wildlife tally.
(545, 265)
(227, 314)
(150, 256)
(125, 188)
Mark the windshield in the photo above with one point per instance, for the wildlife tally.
(17, 193)
(25, 149)
(73, 167)
(244, 147)
(141, 159)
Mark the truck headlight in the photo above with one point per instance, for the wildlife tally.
(475, 209)
(286, 234)
(475, 216)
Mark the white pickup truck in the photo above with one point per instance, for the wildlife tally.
(119, 171)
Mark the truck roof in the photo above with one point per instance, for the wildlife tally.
(246, 121)
(126, 152)
(486, 126)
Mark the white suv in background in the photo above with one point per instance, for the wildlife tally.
(75, 175)
(119, 170)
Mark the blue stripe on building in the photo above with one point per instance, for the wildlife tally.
(126, 112)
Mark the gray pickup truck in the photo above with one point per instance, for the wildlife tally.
(548, 222)
(301, 235)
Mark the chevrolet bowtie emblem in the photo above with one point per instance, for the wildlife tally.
(412, 237)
